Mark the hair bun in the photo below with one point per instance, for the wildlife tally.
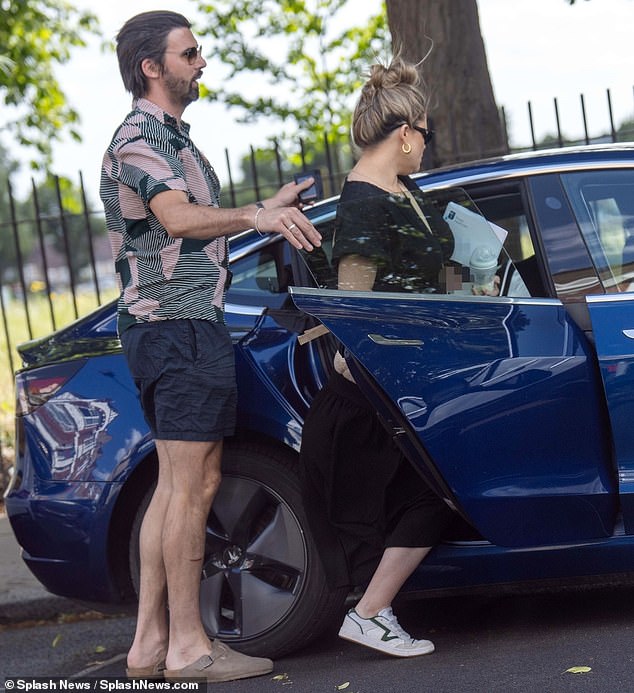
(391, 95)
(396, 73)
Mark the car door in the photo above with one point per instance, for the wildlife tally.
(491, 398)
(276, 376)
(603, 205)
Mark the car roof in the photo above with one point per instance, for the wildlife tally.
(532, 162)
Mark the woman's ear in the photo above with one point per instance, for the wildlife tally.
(405, 132)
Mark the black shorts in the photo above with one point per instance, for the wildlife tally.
(185, 373)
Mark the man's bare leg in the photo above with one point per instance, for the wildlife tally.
(196, 475)
(172, 548)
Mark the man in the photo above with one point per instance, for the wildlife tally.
(169, 241)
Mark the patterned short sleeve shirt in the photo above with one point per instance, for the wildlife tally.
(160, 278)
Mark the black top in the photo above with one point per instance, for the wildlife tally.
(387, 228)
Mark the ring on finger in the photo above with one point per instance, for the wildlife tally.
(292, 226)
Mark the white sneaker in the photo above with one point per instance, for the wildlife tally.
(383, 633)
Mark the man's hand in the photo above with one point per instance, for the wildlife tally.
(292, 224)
(288, 195)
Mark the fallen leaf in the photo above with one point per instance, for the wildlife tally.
(280, 677)
(56, 640)
(343, 686)
(99, 649)
(579, 670)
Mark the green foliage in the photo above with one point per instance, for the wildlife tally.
(37, 35)
(625, 131)
(282, 59)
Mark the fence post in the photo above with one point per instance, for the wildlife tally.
(19, 260)
(302, 152)
(612, 128)
(40, 236)
(71, 272)
(505, 130)
(254, 172)
(91, 250)
(232, 189)
(278, 163)
(560, 139)
(532, 126)
(331, 178)
(585, 121)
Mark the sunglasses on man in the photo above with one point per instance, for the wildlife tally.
(190, 54)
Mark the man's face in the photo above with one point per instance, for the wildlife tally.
(182, 67)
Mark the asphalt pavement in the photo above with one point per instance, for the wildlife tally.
(554, 643)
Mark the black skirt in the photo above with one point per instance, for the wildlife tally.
(360, 493)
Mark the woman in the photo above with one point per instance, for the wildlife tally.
(359, 490)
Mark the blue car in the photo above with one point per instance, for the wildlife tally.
(517, 408)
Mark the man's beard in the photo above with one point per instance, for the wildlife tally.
(180, 90)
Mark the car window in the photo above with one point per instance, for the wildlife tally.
(503, 204)
(514, 259)
(319, 261)
(261, 277)
(603, 203)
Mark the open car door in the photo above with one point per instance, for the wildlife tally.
(496, 400)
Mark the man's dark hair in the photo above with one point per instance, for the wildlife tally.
(144, 36)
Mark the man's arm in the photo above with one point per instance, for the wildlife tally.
(184, 219)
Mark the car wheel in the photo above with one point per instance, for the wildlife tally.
(263, 588)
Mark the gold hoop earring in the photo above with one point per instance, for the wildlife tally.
(406, 147)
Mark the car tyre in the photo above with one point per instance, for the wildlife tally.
(263, 587)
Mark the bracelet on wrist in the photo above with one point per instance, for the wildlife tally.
(255, 221)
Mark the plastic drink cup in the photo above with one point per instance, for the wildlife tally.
(483, 266)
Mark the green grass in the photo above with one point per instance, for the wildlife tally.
(39, 312)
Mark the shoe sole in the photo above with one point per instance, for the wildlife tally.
(220, 678)
(386, 650)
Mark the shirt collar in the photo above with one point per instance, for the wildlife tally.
(152, 109)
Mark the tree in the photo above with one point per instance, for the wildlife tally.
(309, 85)
(37, 35)
(456, 74)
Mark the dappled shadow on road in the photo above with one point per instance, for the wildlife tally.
(499, 643)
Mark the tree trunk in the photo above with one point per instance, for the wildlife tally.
(462, 108)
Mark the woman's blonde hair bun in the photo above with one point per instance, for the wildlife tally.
(392, 95)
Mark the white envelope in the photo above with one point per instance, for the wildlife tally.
(471, 230)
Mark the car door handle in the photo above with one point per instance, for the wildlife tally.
(389, 341)
(629, 333)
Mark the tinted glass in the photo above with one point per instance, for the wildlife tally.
(422, 244)
(260, 278)
(603, 203)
